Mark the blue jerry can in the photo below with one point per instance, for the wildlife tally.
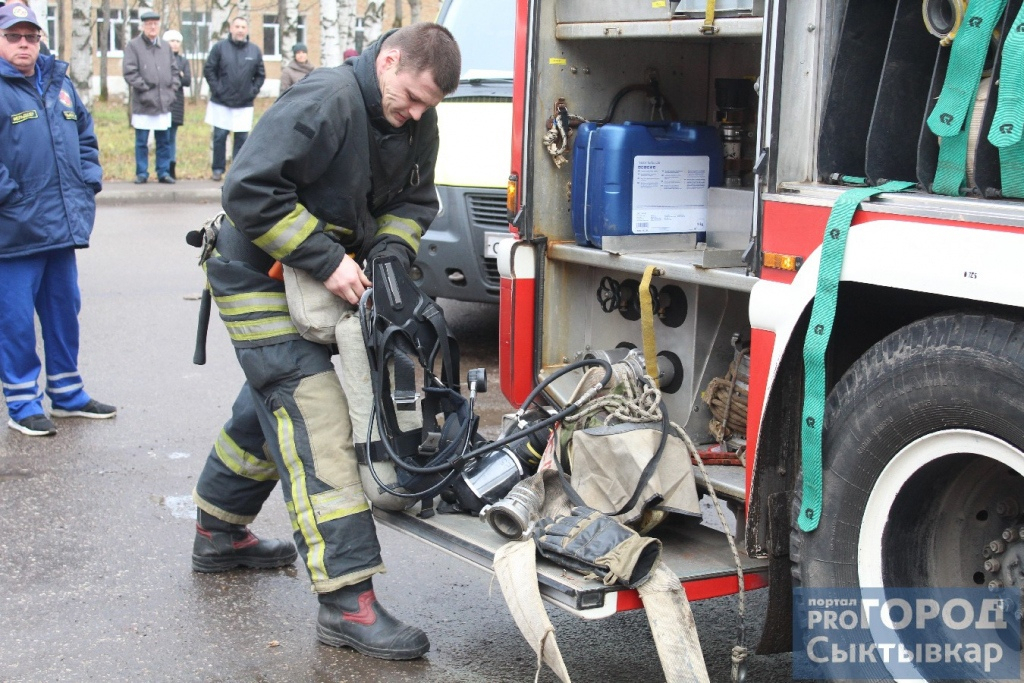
(643, 178)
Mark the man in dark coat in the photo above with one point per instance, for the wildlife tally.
(149, 70)
(234, 71)
(49, 176)
(302, 193)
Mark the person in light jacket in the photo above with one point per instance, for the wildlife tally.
(149, 71)
(297, 69)
(173, 38)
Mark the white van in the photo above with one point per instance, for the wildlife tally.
(456, 258)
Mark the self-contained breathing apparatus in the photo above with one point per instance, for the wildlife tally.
(446, 457)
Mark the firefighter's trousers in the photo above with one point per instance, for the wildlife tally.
(291, 421)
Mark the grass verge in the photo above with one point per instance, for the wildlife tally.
(117, 140)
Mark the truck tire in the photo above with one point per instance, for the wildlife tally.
(923, 462)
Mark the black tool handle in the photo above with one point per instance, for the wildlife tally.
(199, 357)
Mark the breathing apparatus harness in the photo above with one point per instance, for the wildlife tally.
(401, 326)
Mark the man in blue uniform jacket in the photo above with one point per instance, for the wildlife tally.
(49, 176)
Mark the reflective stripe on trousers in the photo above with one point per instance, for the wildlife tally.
(293, 403)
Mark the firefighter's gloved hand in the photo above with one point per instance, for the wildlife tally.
(591, 542)
(389, 248)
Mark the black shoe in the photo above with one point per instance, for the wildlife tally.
(33, 425)
(174, 165)
(140, 179)
(221, 546)
(352, 617)
(217, 175)
(167, 180)
(93, 410)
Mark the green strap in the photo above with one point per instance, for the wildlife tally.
(951, 169)
(951, 118)
(823, 315)
(1008, 122)
(966, 60)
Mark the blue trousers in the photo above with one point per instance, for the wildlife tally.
(220, 143)
(46, 284)
(163, 153)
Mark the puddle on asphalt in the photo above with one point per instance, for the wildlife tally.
(181, 507)
(13, 475)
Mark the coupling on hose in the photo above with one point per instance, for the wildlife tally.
(942, 18)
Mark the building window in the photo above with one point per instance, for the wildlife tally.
(195, 32)
(115, 29)
(272, 34)
(52, 29)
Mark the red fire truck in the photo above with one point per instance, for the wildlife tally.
(922, 450)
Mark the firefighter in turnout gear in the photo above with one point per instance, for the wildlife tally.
(339, 171)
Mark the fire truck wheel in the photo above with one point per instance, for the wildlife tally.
(923, 462)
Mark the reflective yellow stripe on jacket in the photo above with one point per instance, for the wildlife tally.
(407, 230)
(289, 233)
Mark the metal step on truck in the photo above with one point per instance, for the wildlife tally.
(815, 204)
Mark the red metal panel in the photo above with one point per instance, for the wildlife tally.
(762, 343)
(701, 589)
(515, 338)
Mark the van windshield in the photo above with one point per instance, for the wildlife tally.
(485, 32)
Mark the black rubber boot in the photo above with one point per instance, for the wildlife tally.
(220, 546)
(352, 617)
(173, 164)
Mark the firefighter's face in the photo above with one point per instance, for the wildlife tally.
(405, 95)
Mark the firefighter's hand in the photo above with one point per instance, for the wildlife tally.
(347, 281)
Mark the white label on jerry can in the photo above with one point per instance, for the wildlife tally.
(670, 194)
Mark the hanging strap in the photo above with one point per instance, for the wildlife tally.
(966, 59)
(823, 314)
(708, 28)
(1008, 122)
(951, 118)
(647, 323)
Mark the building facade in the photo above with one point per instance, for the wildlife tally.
(194, 19)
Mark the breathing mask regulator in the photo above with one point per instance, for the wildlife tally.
(402, 329)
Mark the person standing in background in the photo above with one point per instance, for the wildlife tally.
(149, 71)
(173, 38)
(297, 69)
(49, 176)
(234, 70)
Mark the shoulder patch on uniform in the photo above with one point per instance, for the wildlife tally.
(65, 98)
(70, 115)
(305, 130)
(24, 116)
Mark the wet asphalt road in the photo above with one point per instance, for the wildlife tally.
(96, 524)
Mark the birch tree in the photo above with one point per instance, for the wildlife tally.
(220, 19)
(81, 48)
(330, 45)
(398, 15)
(347, 23)
(288, 20)
(373, 21)
(104, 46)
(415, 8)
